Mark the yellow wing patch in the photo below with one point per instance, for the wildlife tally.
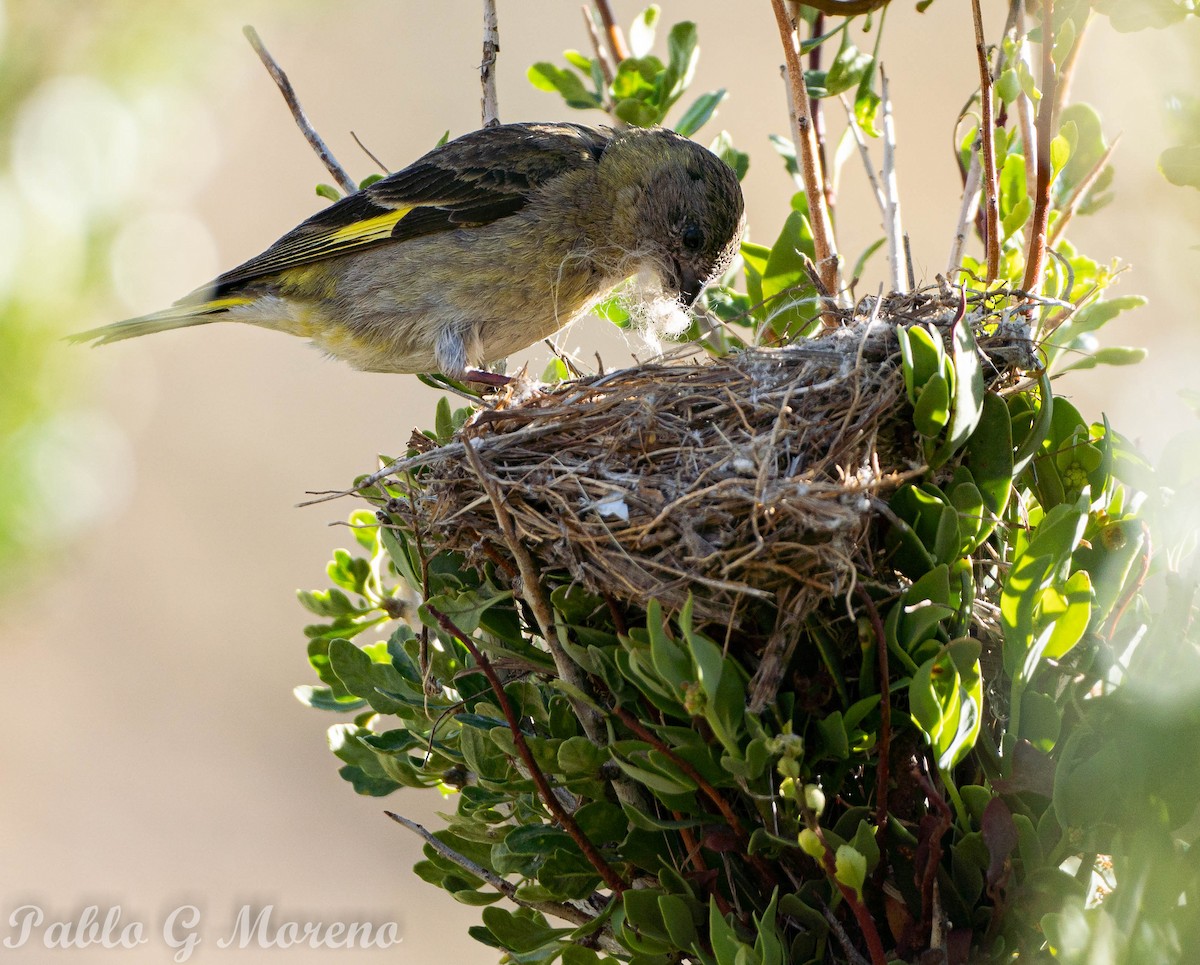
(370, 229)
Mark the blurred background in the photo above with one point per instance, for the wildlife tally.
(149, 542)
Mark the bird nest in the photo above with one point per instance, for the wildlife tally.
(748, 480)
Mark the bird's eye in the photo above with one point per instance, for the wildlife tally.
(692, 238)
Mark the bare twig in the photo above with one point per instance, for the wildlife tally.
(610, 877)
(974, 173)
(1068, 208)
(490, 103)
(603, 58)
(1024, 108)
(571, 913)
(885, 708)
(367, 151)
(1036, 257)
(845, 8)
(864, 152)
(966, 211)
(810, 162)
(612, 30)
(891, 193)
(814, 104)
(987, 133)
(345, 182)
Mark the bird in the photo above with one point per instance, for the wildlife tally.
(485, 245)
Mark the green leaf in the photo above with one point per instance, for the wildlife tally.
(932, 411)
(696, 116)
(739, 161)
(968, 392)
(1007, 86)
(848, 68)
(641, 31)
(1181, 165)
(1111, 355)
(548, 77)
(851, 868)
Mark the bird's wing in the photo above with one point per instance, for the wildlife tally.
(473, 180)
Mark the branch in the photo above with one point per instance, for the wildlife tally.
(814, 104)
(862, 914)
(531, 590)
(1068, 208)
(576, 916)
(602, 56)
(616, 39)
(490, 103)
(891, 214)
(987, 133)
(844, 8)
(706, 788)
(1024, 108)
(966, 211)
(614, 881)
(567, 669)
(810, 163)
(885, 708)
(864, 152)
(1036, 257)
(343, 179)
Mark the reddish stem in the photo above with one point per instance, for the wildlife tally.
(545, 792)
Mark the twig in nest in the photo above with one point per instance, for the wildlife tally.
(810, 162)
(345, 182)
(987, 133)
(490, 103)
(1036, 257)
(891, 220)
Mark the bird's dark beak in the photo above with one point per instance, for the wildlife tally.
(690, 284)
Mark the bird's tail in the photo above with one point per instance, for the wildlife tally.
(177, 316)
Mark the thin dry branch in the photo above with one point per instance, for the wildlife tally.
(845, 8)
(891, 215)
(489, 103)
(810, 162)
(1024, 109)
(345, 182)
(571, 913)
(1075, 199)
(612, 30)
(1036, 257)
(987, 133)
(603, 58)
(864, 152)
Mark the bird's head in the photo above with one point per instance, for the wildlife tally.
(683, 209)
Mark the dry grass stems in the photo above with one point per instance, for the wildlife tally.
(745, 482)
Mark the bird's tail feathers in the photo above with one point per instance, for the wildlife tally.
(177, 316)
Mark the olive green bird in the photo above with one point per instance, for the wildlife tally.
(482, 247)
